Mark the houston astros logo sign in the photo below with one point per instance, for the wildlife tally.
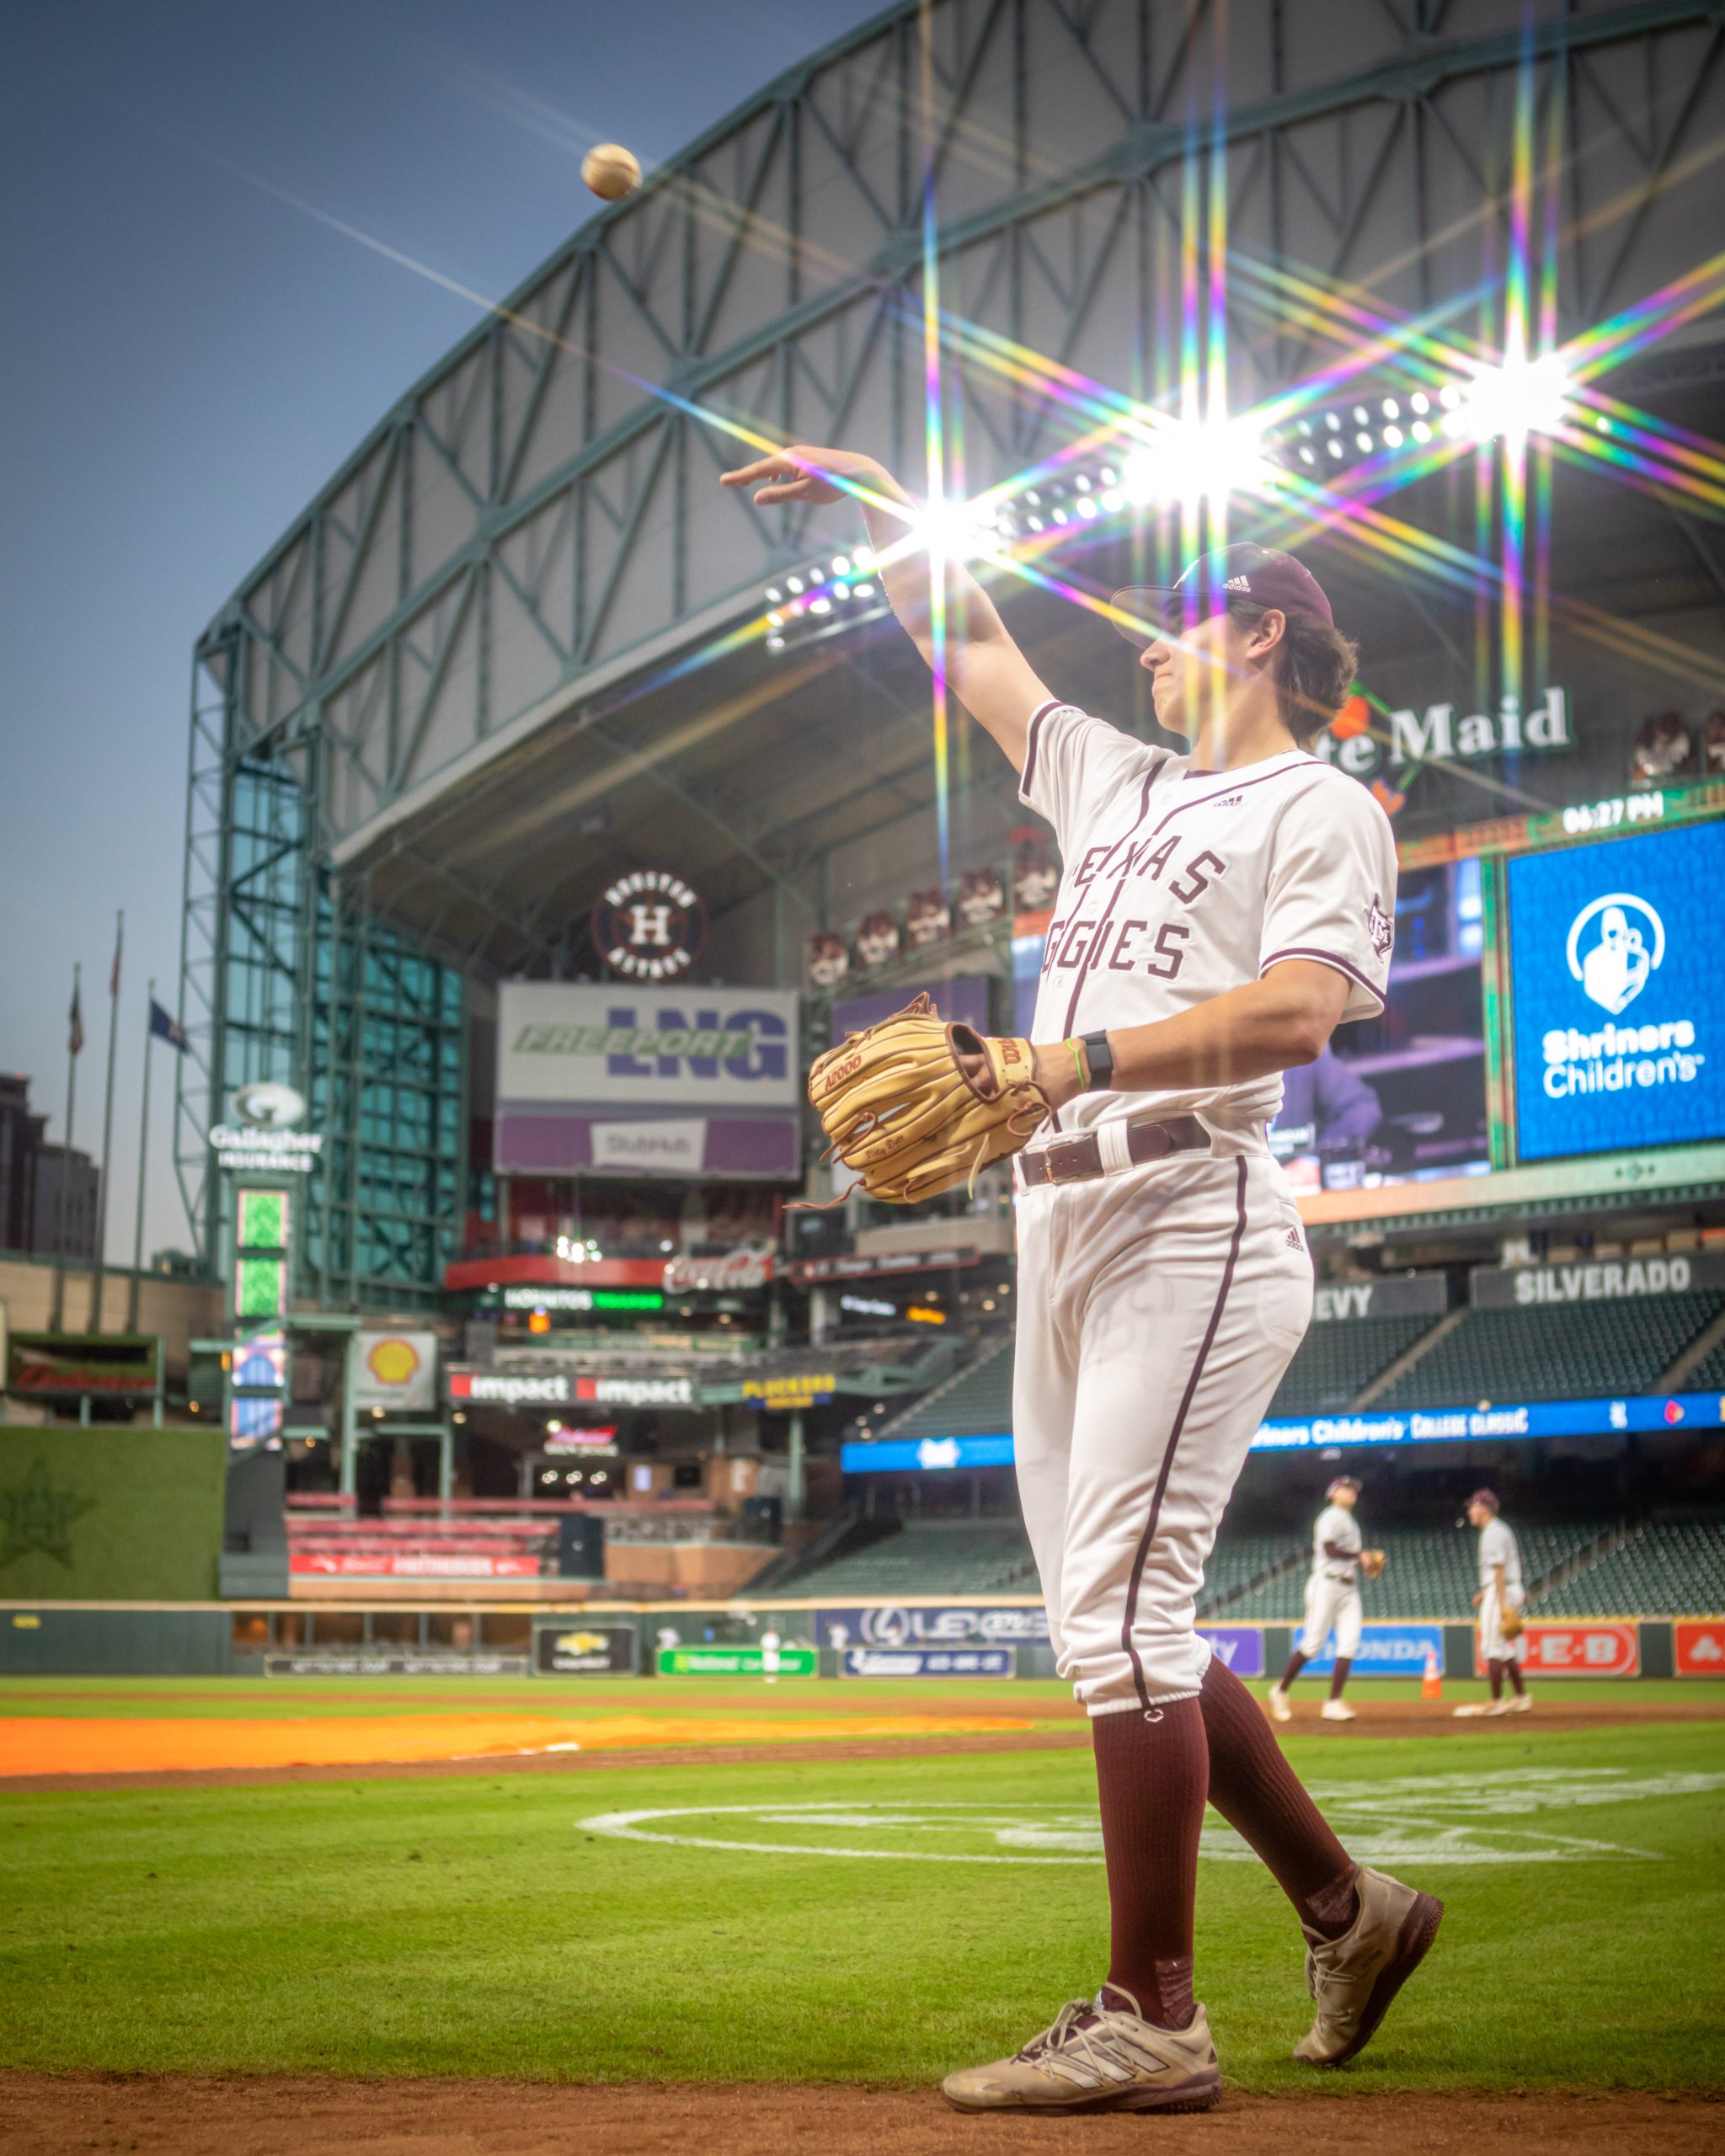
(1630, 946)
(649, 926)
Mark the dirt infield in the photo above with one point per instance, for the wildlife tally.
(44, 2115)
(75, 1744)
(41, 1751)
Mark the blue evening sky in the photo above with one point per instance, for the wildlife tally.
(187, 359)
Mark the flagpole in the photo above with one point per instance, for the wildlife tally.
(101, 1265)
(55, 1323)
(138, 1232)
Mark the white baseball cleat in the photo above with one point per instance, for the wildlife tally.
(1097, 2058)
(1337, 1710)
(1481, 1707)
(1353, 1979)
(1522, 1703)
(1279, 1704)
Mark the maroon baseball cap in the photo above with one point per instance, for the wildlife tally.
(1344, 1482)
(1488, 1498)
(1264, 576)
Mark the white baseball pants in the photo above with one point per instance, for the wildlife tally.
(1331, 1603)
(1158, 1309)
(1492, 1646)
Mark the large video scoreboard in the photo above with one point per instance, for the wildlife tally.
(1554, 998)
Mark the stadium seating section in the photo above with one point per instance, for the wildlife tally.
(1576, 1353)
(1669, 1568)
(977, 1402)
(1673, 1568)
(1429, 1572)
(1708, 1375)
(1336, 1363)
(1239, 1562)
(931, 1557)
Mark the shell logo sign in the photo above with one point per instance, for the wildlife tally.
(396, 1370)
(393, 1361)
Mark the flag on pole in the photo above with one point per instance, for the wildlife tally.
(75, 1041)
(113, 976)
(167, 1029)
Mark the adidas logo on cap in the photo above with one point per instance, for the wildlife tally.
(1237, 584)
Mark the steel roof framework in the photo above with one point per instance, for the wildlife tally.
(536, 524)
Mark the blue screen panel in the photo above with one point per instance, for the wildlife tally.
(1618, 977)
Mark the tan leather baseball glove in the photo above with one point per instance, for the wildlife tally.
(1511, 1624)
(1371, 1563)
(903, 1111)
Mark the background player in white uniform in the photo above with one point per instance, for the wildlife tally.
(1218, 915)
(1500, 1588)
(1331, 1601)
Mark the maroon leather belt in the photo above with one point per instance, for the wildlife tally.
(1078, 1159)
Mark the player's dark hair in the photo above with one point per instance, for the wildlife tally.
(1314, 669)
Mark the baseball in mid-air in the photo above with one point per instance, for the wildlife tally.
(611, 170)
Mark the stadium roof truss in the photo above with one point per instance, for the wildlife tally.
(471, 677)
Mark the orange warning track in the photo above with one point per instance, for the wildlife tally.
(92, 1745)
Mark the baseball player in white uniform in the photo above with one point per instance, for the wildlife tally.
(1220, 913)
(1332, 1602)
(1500, 1589)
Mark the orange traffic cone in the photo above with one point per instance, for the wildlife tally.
(1431, 1685)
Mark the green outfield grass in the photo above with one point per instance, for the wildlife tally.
(482, 1925)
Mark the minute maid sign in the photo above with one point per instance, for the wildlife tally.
(1617, 973)
(1388, 752)
(643, 1081)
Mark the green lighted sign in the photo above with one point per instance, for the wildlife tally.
(259, 1287)
(736, 1662)
(264, 1220)
(547, 1298)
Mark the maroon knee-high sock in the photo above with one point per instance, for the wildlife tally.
(1296, 1663)
(1338, 1675)
(1512, 1670)
(1260, 1796)
(1494, 1669)
(1151, 1777)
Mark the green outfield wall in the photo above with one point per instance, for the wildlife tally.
(110, 1514)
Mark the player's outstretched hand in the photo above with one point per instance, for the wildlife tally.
(802, 473)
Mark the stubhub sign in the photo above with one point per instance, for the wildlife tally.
(1616, 973)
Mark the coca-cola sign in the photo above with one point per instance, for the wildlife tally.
(728, 1273)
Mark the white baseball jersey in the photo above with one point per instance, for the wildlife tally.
(1337, 1527)
(1180, 884)
(1497, 1546)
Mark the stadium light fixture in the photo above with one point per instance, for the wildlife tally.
(1188, 462)
(957, 530)
(1523, 396)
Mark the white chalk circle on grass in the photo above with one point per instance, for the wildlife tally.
(1410, 1821)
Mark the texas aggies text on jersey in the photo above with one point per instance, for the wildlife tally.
(1153, 916)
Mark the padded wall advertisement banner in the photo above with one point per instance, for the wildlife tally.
(1386, 1651)
(945, 1625)
(1578, 1649)
(1616, 974)
(630, 1079)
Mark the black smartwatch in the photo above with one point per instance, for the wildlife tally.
(1099, 1060)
